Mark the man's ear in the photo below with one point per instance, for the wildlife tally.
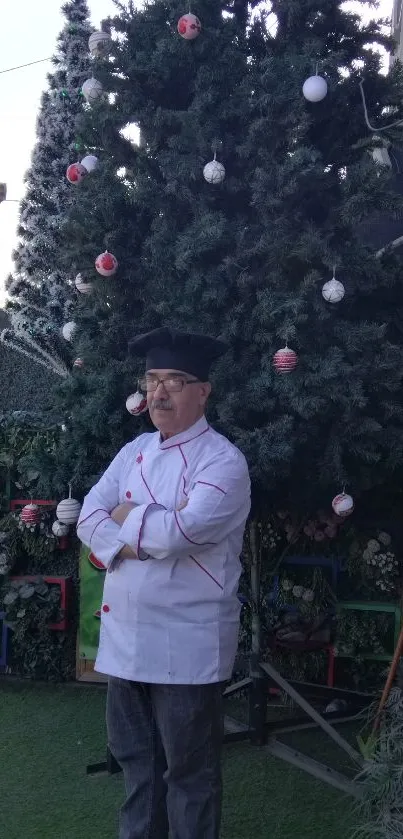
(205, 391)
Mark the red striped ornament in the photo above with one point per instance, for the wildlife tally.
(285, 360)
(30, 514)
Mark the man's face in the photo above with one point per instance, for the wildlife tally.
(177, 402)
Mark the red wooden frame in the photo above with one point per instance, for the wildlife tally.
(65, 584)
(21, 502)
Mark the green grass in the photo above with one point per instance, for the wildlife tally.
(48, 734)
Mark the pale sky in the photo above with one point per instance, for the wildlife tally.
(28, 33)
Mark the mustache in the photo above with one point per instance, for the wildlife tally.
(161, 404)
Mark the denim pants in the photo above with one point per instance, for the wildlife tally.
(167, 739)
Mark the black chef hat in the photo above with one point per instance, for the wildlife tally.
(170, 350)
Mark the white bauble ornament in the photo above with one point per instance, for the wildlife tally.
(214, 172)
(136, 404)
(92, 90)
(82, 286)
(285, 360)
(343, 505)
(30, 514)
(78, 363)
(106, 264)
(315, 88)
(333, 291)
(99, 44)
(89, 162)
(68, 330)
(189, 26)
(75, 173)
(68, 510)
(59, 529)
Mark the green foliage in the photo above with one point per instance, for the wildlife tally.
(37, 651)
(245, 260)
(380, 812)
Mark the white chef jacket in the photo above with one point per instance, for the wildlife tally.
(174, 618)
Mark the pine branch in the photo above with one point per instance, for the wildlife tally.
(46, 361)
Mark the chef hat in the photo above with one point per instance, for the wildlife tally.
(166, 349)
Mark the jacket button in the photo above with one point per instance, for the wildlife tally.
(128, 494)
(105, 608)
(139, 458)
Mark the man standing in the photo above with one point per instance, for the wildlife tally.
(167, 520)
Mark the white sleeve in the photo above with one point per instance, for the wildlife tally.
(218, 502)
(95, 527)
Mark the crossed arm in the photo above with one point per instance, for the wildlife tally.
(218, 501)
(119, 515)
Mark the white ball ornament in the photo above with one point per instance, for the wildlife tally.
(78, 363)
(99, 44)
(68, 510)
(89, 162)
(68, 330)
(333, 291)
(136, 404)
(75, 173)
(82, 286)
(214, 172)
(343, 505)
(106, 264)
(189, 26)
(315, 88)
(92, 90)
(59, 529)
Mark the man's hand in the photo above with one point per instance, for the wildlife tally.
(120, 513)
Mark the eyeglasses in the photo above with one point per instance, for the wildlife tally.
(172, 384)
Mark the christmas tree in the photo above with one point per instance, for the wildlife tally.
(41, 291)
(263, 248)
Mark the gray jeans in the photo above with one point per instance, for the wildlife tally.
(167, 739)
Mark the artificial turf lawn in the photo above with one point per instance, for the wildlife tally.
(49, 733)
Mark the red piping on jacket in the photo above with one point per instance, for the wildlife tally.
(211, 485)
(185, 441)
(192, 542)
(99, 510)
(146, 484)
(97, 525)
(207, 572)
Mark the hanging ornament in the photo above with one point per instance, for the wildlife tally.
(30, 514)
(89, 162)
(343, 505)
(68, 330)
(75, 173)
(285, 360)
(106, 264)
(92, 90)
(99, 44)
(189, 26)
(214, 172)
(315, 88)
(59, 529)
(82, 286)
(136, 404)
(78, 363)
(68, 510)
(333, 291)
